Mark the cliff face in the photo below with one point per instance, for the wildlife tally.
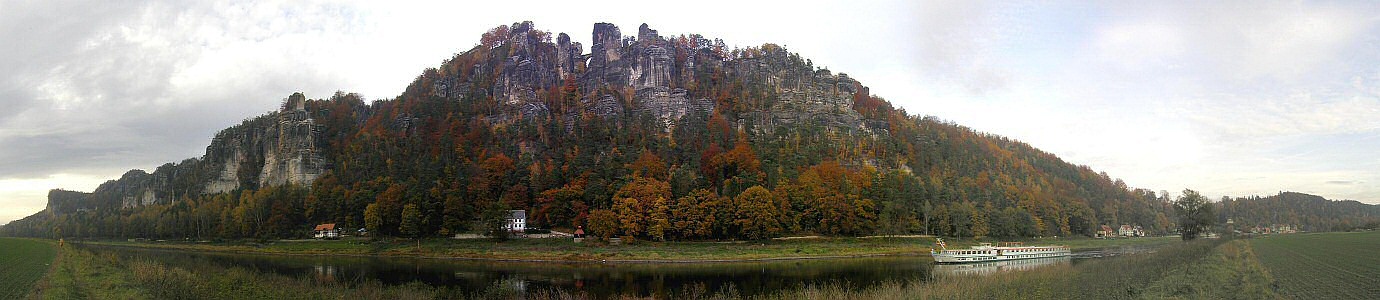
(275, 149)
(68, 201)
(523, 69)
(649, 74)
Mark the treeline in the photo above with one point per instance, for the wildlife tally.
(427, 165)
(1303, 211)
(267, 212)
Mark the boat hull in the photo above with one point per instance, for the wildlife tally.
(991, 255)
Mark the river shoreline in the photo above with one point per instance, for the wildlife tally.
(530, 260)
(557, 251)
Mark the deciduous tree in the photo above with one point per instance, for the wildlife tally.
(1196, 215)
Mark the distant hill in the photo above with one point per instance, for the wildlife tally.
(1307, 212)
(650, 136)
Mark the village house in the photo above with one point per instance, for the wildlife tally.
(1284, 229)
(326, 231)
(1105, 232)
(517, 221)
(1130, 231)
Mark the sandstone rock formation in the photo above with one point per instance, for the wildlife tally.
(525, 72)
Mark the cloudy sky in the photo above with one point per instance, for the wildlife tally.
(1228, 98)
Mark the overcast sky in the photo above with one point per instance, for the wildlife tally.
(1228, 98)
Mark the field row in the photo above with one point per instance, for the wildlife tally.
(22, 263)
(1324, 265)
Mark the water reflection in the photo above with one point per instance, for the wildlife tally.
(989, 268)
(601, 280)
(324, 273)
(1114, 251)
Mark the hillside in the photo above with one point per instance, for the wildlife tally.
(1302, 211)
(650, 136)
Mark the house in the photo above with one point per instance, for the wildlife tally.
(1126, 230)
(1284, 228)
(1138, 231)
(1105, 232)
(517, 221)
(326, 231)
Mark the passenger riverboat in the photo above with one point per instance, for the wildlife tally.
(986, 252)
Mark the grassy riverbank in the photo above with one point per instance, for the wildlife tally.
(566, 250)
(22, 263)
(84, 274)
(1205, 269)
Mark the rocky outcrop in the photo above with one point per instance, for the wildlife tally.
(280, 148)
(291, 152)
(64, 201)
(529, 75)
(569, 56)
(654, 75)
(276, 149)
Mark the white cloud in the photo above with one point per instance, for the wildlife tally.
(1141, 46)
(956, 44)
(1236, 118)
(1289, 41)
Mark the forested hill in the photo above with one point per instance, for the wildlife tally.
(647, 136)
(1298, 210)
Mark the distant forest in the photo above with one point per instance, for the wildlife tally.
(1303, 211)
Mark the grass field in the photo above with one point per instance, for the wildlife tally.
(22, 263)
(1342, 265)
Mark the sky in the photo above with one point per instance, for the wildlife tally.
(1229, 98)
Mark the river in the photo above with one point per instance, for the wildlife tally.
(603, 280)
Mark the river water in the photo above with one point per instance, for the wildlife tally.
(602, 280)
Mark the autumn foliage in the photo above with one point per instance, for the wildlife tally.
(439, 160)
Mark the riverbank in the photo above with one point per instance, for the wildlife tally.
(564, 250)
(85, 274)
(1203, 269)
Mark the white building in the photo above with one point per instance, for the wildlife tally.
(517, 221)
(326, 231)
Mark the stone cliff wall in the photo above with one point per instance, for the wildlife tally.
(654, 75)
(275, 149)
(622, 75)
